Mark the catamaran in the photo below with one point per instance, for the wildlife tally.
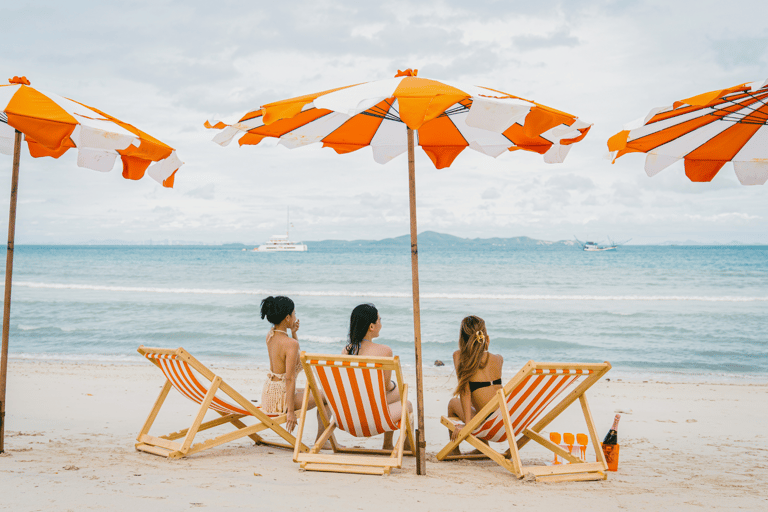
(282, 243)
(595, 246)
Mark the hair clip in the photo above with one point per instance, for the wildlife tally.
(479, 336)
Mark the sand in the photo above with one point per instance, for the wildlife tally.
(71, 430)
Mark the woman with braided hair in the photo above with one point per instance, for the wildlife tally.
(477, 370)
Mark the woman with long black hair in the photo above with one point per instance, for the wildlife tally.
(364, 327)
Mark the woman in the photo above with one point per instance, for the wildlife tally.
(478, 372)
(364, 327)
(280, 394)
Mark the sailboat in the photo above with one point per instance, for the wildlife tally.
(282, 243)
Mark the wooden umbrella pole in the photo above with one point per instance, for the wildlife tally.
(8, 281)
(421, 455)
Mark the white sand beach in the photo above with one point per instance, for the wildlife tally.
(71, 430)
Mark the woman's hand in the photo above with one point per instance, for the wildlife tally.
(456, 431)
(295, 328)
(290, 422)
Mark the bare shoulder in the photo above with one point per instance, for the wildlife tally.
(383, 350)
(497, 359)
(289, 343)
(456, 356)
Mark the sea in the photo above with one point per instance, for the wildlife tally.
(668, 313)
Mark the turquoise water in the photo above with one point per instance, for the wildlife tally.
(677, 311)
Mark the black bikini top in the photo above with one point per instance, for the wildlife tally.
(473, 386)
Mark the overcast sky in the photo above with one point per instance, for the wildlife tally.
(167, 66)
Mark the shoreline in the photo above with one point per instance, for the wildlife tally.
(617, 374)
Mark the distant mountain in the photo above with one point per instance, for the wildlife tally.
(692, 242)
(432, 238)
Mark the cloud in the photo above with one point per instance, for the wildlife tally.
(741, 52)
(561, 37)
(204, 192)
(490, 193)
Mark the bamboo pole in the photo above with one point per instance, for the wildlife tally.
(421, 444)
(8, 282)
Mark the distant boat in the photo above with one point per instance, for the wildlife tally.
(282, 243)
(596, 246)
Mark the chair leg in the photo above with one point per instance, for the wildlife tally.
(302, 421)
(155, 410)
(200, 414)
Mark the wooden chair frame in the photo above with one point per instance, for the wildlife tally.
(577, 469)
(363, 460)
(167, 446)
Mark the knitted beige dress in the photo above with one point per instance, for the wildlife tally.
(273, 400)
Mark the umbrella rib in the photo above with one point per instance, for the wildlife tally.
(376, 111)
(749, 118)
(3, 117)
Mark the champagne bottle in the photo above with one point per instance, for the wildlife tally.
(611, 437)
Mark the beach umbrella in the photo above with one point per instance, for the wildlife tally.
(51, 125)
(393, 116)
(706, 131)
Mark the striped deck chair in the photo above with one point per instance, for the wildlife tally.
(355, 389)
(515, 416)
(202, 386)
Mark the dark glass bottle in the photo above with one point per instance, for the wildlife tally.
(611, 437)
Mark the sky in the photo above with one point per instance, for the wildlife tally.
(167, 66)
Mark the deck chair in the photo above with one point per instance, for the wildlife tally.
(196, 382)
(510, 417)
(354, 388)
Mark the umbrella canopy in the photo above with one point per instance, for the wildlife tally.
(51, 125)
(706, 131)
(389, 115)
(449, 118)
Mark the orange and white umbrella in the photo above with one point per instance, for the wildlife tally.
(706, 131)
(51, 125)
(388, 115)
(448, 118)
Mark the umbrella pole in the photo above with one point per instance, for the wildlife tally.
(8, 281)
(421, 444)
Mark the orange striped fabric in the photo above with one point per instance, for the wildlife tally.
(356, 393)
(52, 125)
(448, 118)
(528, 401)
(189, 383)
(706, 131)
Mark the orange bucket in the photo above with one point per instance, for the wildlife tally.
(611, 453)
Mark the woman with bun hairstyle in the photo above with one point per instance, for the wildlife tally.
(280, 394)
(477, 370)
(364, 326)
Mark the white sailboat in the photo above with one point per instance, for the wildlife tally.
(282, 243)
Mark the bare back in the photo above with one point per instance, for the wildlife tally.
(490, 372)
(280, 348)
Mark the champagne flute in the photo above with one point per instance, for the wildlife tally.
(568, 439)
(555, 438)
(582, 439)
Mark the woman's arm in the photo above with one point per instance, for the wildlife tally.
(291, 358)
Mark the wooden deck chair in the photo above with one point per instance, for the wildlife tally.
(354, 388)
(196, 382)
(510, 417)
